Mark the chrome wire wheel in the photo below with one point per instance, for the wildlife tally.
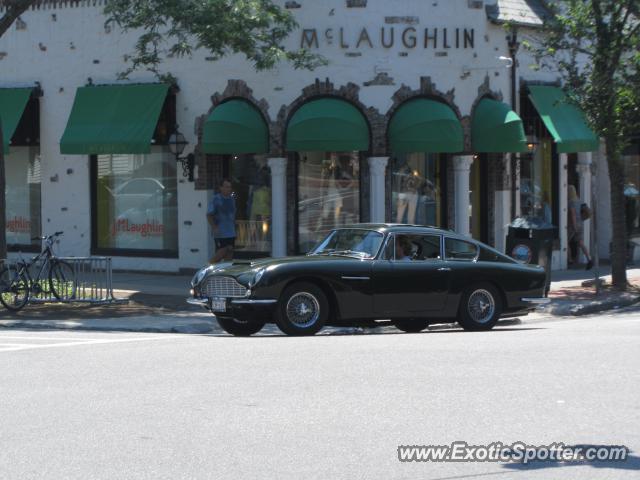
(481, 306)
(303, 309)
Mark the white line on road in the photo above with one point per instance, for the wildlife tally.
(15, 347)
(28, 337)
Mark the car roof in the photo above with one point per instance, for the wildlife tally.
(401, 227)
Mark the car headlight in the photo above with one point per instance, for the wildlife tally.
(257, 277)
(199, 276)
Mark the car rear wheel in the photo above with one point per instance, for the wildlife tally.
(480, 308)
(303, 309)
(239, 329)
(411, 325)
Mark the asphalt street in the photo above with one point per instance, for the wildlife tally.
(82, 405)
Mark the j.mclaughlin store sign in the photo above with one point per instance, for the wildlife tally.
(408, 36)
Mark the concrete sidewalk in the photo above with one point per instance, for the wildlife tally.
(157, 304)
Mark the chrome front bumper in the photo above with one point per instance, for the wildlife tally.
(204, 302)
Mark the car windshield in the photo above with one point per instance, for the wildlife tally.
(350, 242)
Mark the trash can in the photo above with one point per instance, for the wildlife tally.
(530, 240)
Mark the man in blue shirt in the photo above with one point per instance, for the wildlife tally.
(221, 215)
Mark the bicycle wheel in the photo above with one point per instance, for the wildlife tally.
(62, 280)
(14, 288)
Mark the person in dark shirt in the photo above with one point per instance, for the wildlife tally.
(221, 215)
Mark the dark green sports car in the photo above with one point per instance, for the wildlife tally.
(367, 274)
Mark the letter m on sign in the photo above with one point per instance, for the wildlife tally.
(309, 38)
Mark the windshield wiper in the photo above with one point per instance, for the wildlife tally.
(348, 253)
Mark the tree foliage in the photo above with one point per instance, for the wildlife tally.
(256, 29)
(595, 46)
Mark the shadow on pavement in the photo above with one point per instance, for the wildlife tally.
(65, 311)
(271, 330)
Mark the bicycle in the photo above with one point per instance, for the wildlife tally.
(17, 285)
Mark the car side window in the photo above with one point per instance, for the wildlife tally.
(428, 247)
(404, 247)
(460, 250)
(487, 255)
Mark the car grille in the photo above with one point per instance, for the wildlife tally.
(223, 287)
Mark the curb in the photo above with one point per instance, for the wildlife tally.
(594, 306)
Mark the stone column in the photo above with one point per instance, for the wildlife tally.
(563, 203)
(377, 170)
(462, 170)
(278, 168)
(584, 177)
(502, 204)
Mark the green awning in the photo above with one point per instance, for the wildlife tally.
(113, 119)
(13, 101)
(566, 123)
(235, 127)
(423, 125)
(496, 128)
(329, 125)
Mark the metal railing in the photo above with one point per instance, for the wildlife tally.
(92, 282)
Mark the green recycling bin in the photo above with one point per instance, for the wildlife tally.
(530, 240)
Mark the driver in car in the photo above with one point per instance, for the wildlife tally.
(403, 248)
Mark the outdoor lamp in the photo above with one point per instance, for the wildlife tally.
(177, 143)
(532, 143)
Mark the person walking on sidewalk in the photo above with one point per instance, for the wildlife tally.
(221, 215)
(575, 225)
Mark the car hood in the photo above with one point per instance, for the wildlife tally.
(245, 270)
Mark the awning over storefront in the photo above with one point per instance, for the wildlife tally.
(13, 101)
(565, 122)
(235, 127)
(496, 128)
(327, 124)
(113, 119)
(423, 125)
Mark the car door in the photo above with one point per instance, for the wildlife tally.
(352, 287)
(416, 287)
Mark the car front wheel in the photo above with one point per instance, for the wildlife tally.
(303, 309)
(238, 328)
(480, 308)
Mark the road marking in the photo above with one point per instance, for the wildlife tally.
(16, 347)
(27, 337)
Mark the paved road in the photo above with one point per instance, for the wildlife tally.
(154, 406)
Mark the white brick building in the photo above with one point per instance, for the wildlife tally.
(410, 121)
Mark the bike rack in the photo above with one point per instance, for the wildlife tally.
(93, 282)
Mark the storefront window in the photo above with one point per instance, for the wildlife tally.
(631, 161)
(136, 204)
(251, 180)
(22, 197)
(536, 182)
(416, 189)
(328, 194)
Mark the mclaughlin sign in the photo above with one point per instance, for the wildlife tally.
(437, 38)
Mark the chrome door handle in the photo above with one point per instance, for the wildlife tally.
(355, 278)
(444, 269)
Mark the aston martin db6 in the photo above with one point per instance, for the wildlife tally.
(366, 274)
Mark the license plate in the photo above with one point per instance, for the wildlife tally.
(218, 305)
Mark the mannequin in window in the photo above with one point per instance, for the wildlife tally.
(345, 186)
(331, 201)
(407, 184)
